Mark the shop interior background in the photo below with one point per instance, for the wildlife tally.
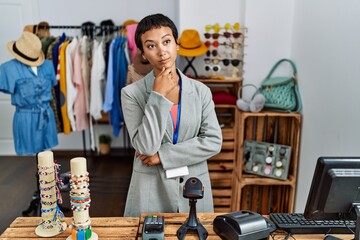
(321, 36)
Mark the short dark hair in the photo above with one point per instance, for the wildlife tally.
(153, 21)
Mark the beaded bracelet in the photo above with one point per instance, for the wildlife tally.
(79, 176)
(77, 194)
(80, 208)
(48, 210)
(47, 188)
(43, 173)
(86, 223)
(46, 182)
(86, 179)
(46, 195)
(45, 167)
(48, 203)
(79, 187)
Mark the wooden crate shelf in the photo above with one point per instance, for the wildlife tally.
(221, 166)
(262, 194)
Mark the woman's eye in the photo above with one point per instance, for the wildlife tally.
(150, 46)
(167, 41)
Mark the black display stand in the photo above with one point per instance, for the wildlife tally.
(189, 65)
(192, 223)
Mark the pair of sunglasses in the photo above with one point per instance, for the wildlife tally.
(215, 68)
(212, 52)
(234, 62)
(233, 45)
(226, 62)
(216, 28)
(212, 60)
(235, 27)
(214, 43)
(212, 35)
(233, 34)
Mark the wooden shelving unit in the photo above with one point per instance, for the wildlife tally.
(261, 194)
(221, 166)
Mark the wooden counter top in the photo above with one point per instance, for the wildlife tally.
(111, 228)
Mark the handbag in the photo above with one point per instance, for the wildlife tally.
(282, 92)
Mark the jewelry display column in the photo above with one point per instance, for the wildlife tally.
(52, 222)
(80, 201)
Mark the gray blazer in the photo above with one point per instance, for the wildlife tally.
(148, 121)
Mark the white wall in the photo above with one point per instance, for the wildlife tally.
(322, 36)
(326, 47)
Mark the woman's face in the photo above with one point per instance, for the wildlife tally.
(160, 48)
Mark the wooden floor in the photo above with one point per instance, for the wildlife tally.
(109, 181)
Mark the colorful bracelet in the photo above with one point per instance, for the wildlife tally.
(80, 204)
(80, 200)
(81, 235)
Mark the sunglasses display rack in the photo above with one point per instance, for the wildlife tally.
(222, 72)
(225, 57)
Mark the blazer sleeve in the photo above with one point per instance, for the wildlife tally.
(145, 118)
(194, 150)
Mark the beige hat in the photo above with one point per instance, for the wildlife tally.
(27, 49)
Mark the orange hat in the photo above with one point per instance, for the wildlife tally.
(190, 44)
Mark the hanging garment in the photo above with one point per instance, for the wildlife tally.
(97, 77)
(81, 116)
(63, 91)
(70, 87)
(34, 127)
(120, 73)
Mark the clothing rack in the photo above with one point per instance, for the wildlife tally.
(87, 27)
(105, 27)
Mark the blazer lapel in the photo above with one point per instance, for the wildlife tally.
(187, 101)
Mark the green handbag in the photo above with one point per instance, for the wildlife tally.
(281, 93)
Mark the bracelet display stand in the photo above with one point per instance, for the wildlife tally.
(52, 222)
(80, 201)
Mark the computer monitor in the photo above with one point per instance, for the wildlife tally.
(335, 190)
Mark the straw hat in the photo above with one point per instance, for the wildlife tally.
(190, 44)
(27, 49)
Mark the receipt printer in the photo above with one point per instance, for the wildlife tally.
(242, 225)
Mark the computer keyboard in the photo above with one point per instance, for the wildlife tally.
(296, 223)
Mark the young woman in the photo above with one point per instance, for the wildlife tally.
(172, 125)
